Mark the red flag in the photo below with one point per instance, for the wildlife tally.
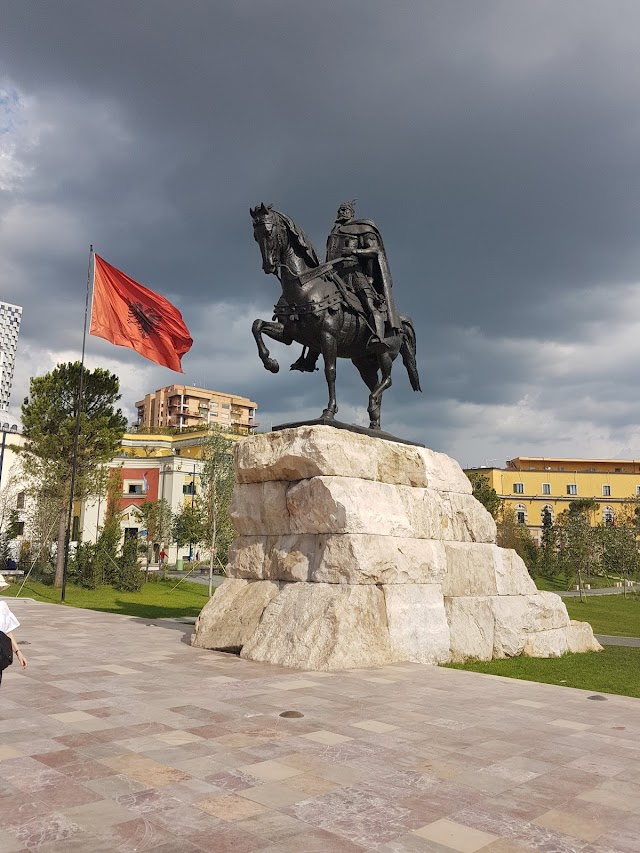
(130, 315)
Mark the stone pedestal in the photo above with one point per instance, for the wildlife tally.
(355, 551)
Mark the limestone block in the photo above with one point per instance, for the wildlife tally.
(511, 622)
(484, 569)
(443, 473)
(291, 558)
(260, 508)
(471, 522)
(247, 555)
(418, 627)
(547, 611)
(547, 644)
(351, 505)
(231, 616)
(347, 505)
(321, 626)
(517, 617)
(471, 569)
(352, 558)
(580, 638)
(304, 452)
(512, 576)
(471, 625)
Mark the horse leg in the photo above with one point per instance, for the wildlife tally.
(367, 367)
(329, 349)
(385, 362)
(275, 331)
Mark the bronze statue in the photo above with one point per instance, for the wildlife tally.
(342, 308)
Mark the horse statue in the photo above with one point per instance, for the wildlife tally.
(320, 311)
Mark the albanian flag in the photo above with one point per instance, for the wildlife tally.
(130, 315)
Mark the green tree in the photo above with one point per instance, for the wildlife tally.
(106, 565)
(128, 577)
(579, 551)
(188, 526)
(82, 567)
(547, 556)
(484, 492)
(511, 534)
(155, 517)
(49, 421)
(619, 544)
(218, 480)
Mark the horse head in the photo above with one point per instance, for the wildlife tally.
(266, 233)
(279, 236)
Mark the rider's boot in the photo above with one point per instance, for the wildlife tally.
(307, 362)
(376, 343)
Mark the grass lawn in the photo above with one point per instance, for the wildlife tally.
(608, 614)
(154, 601)
(616, 669)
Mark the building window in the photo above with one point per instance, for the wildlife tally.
(608, 516)
(518, 488)
(20, 528)
(189, 488)
(572, 489)
(546, 488)
(20, 500)
(521, 513)
(225, 406)
(606, 491)
(547, 510)
(638, 491)
(134, 489)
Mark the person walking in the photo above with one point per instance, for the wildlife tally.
(8, 624)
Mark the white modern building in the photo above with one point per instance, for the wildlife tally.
(10, 317)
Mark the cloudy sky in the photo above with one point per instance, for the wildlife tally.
(496, 144)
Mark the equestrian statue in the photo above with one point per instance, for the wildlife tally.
(342, 308)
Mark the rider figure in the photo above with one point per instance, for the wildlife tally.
(360, 237)
(370, 279)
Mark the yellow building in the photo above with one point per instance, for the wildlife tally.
(531, 484)
(149, 445)
(182, 406)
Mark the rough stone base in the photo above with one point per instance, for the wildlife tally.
(354, 551)
(321, 626)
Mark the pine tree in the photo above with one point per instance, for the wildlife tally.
(49, 417)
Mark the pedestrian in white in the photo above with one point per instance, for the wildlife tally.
(8, 624)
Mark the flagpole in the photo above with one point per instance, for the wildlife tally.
(76, 437)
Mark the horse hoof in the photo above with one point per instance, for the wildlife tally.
(375, 425)
(272, 365)
(328, 414)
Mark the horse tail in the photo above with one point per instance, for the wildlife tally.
(408, 351)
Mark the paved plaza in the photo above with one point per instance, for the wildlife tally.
(120, 736)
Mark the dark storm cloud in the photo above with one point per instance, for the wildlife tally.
(495, 143)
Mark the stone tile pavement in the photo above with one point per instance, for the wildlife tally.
(121, 737)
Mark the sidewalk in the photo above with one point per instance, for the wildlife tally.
(121, 737)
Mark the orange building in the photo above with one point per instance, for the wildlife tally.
(181, 406)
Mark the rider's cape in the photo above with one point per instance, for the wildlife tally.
(376, 267)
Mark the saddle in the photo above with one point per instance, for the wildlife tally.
(331, 293)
